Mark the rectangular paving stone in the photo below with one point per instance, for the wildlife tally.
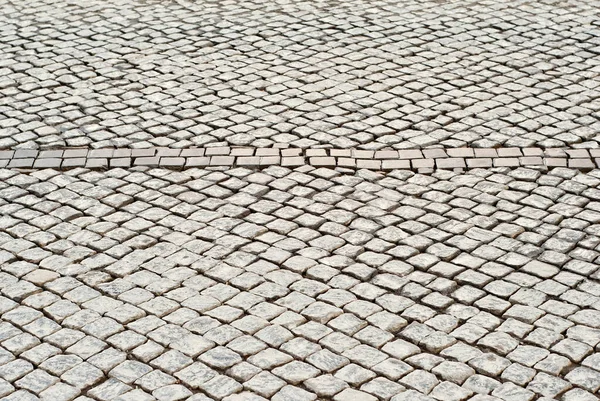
(422, 163)
(147, 161)
(25, 154)
(100, 153)
(326, 161)
(346, 162)
(44, 154)
(122, 153)
(555, 162)
(96, 163)
(577, 153)
(73, 162)
(362, 154)
(486, 152)
(167, 152)
(507, 162)
(368, 164)
(197, 161)
(479, 162)
(386, 154)
(143, 152)
(241, 152)
(47, 163)
(460, 152)
(293, 161)
(21, 163)
(270, 160)
(533, 158)
(453, 162)
(172, 161)
(266, 152)
(410, 154)
(581, 163)
(123, 162)
(75, 153)
(316, 153)
(595, 152)
(247, 161)
(194, 152)
(4, 162)
(6, 154)
(340, 152)
(217, 151)
(509, 152)
(531, 161)
(222, 160)
(434, 153)
(395, 164)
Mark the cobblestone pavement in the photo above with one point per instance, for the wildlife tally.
(352, 74)
(299, 284)
(217, 252)
(409, 159)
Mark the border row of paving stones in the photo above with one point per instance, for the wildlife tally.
(412, 159)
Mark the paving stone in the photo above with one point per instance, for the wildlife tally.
(548, 385)
(455, 372)
(264, 384)
(578, 394)
(129, 371)
(220, 386)
(110, 389)
(450, 391)
(423, 382)
(154, 380)
(83, 375)
(35, 382)
(481, 384)
(518, 374)
(327, 361)
(385, 321)
(59, 391)
(586, 378)
(354, 374)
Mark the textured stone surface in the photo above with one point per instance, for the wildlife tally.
(305, 283)
(365, 74)
(268, 201)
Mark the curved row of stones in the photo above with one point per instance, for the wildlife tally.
(353, 74)
(299, 284)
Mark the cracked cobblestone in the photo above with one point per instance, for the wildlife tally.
(299, 284)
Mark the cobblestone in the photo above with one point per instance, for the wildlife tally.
(339, 293)
(391, 76)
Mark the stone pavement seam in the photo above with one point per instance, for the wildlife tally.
(416, 160)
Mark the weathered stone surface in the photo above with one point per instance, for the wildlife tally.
(240, 284)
